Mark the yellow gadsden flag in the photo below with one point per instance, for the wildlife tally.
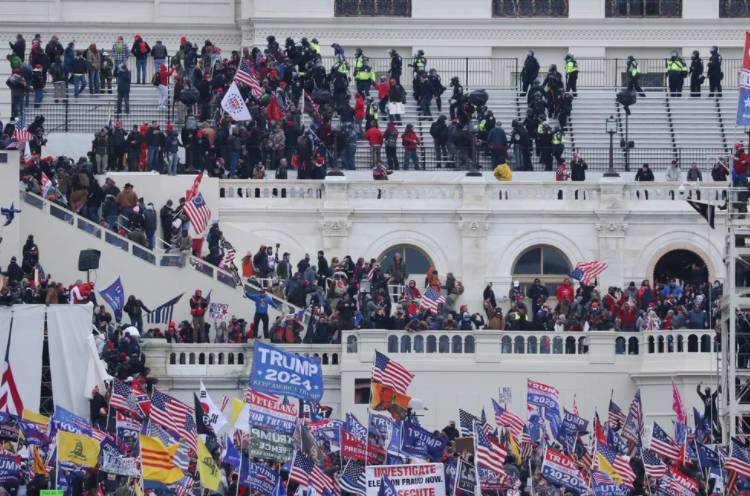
(157, 461)
(77, 448)
(210, 475)
(608, 469)
(386, 399)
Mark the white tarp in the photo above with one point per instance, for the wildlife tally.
(68, 328)
(25, 349)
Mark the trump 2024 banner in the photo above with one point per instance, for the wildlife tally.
(281, 372)
(425, 480)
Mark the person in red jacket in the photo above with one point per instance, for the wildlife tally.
(562, 172)
(739, 178)
(359, 111)
(198, 305)
(375, 138)
(163, 76)
(628, 317)
(384, 90)
(144, 147)
(565, 290)
(411, 141)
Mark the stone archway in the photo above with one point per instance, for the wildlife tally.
(680, 247)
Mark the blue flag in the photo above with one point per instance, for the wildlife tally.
(114, 295)
(9, 213)
(386, 487)
(355, 427)
(232, 457)
(422, 443)
(278, 371)
(10, 470)
(450, 481)
(708, 457)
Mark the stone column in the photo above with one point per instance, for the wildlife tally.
(335, 225)
(612, 231)
(9, 195)
(473, 228)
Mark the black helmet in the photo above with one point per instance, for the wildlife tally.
(714, 49)
(270, 38)
(433, 72)
(309, 66)
(673, 54)
(556, 129)
(529, 112)
(696, 54)
(630, 58)
(542, 117)
(514, 123)
(358, 52)
(488, 113)
(392, 52)
(304, 41)
(314, 40)
(530, 53)
(569, 55)
(454, 79)
(552, 67)
(420, 52)
(289, 41)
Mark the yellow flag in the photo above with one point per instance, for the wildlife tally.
(608, 469)
(157, 461)
(38, 462)
(513, 446)
(210, 475)
(77, 448)
(38, 419)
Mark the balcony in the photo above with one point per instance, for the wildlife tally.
(529, 8)
(643, 8)
(372, 8)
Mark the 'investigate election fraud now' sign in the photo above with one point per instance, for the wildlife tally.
(415, 480)
(281, 372)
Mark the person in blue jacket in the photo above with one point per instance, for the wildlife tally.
(672, 289)
(262, 302)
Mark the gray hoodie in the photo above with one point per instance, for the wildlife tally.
(447, 308)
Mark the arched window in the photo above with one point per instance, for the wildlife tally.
(431, 344)
(392, 343)
(469, 344)
(444, 344)
(542, 262)
(456, 344)
(406, 344)
(351, 344)
(416, 260)
(419, 344)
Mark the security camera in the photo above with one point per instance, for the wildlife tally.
(681, 190)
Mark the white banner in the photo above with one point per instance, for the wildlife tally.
(234, 105)
(219, 311)
(120, 466)
(427, 479)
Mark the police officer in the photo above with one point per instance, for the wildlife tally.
(396, 65)
(553, 83)
(541, 121)
(696, 74)
(545, 142)
(531, 123)
(314, 47)
(635, 76)
(558, 143)
(437, 84)
(571, 74)
(563, 109)
(364, 76)
(359, 61)
(530, 71)
(676, 71)
(458, 92)
(521, 146)
(714, 72)
(319, 74)
(341, 64)
(419, 62)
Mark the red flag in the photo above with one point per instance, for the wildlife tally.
(10, 399)
(677, 406)
(600, 436)
(189, 194)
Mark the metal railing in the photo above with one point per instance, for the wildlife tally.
(73, 117)
(734, 8)
(608, 73)
(643, 8)
(529, 8)
(372, 8)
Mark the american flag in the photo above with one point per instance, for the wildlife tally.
(586, 272)
(123, 398)
(653, 464)
(154, 430)
(490, 454)
(487, 428)
(582, 455)
(738, 460)
(677, 406)
(389, 373)
(13, 144)
(602, 478)
(527, 446)
(246, 76)
(431, 299)
(250, 393)
(163, 314)
(184, 486)
(615, 414)
(662, 444)
(633, 428)
(353, 479)
(619, 463)
(372, 271)
(575, 406)
(304, 470)
(230, 252)
(174, 415)
(224, 402)
(309, 101)
(466, 422)
(10, 398)
(21, 134)
(198, 213)
(504, 418)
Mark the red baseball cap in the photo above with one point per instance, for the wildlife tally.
(119, 37)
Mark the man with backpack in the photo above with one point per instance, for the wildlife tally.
(57, 71)
(120, 51)
(140, 51)
(439, 133)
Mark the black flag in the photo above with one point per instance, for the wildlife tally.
(200, 417)
(705, 210)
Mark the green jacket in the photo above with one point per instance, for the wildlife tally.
(571, 66)
(15, 62)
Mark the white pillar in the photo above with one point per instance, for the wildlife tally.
(9, 194)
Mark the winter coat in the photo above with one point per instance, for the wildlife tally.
(673, 174)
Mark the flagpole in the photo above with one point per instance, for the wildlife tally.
(109, 407)
(455, 476)
(239, 470)
(57, 458)
(476, 464)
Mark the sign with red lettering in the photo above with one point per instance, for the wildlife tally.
(353, 447)
(409, 480)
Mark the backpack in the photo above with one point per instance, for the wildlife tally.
(156, 79)
(143, 46)
(83, 178)
(391, 141)
(118, 47)
(303, 145)
(191, 123)
(56, 70)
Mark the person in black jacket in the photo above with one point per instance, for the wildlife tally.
(134, 141)
(696, 74)
(124, 78)
(140, 51)
(521, 146)
(166, 216)
(345, 111)
(530, 71)
(13, 271)
(346, 308)
(427, 93)
(538, 295)
(98, 409)
(455, 100)
(578, 168)
(19, 47)
(323, 271)
(439, 133)
(644, 174)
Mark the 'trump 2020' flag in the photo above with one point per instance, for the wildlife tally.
(235, 105)
(10, 398)
(743, 106)
(114, 295)
(548, 397)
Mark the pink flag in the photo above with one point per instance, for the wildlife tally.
(575, 406)
(677, 405)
